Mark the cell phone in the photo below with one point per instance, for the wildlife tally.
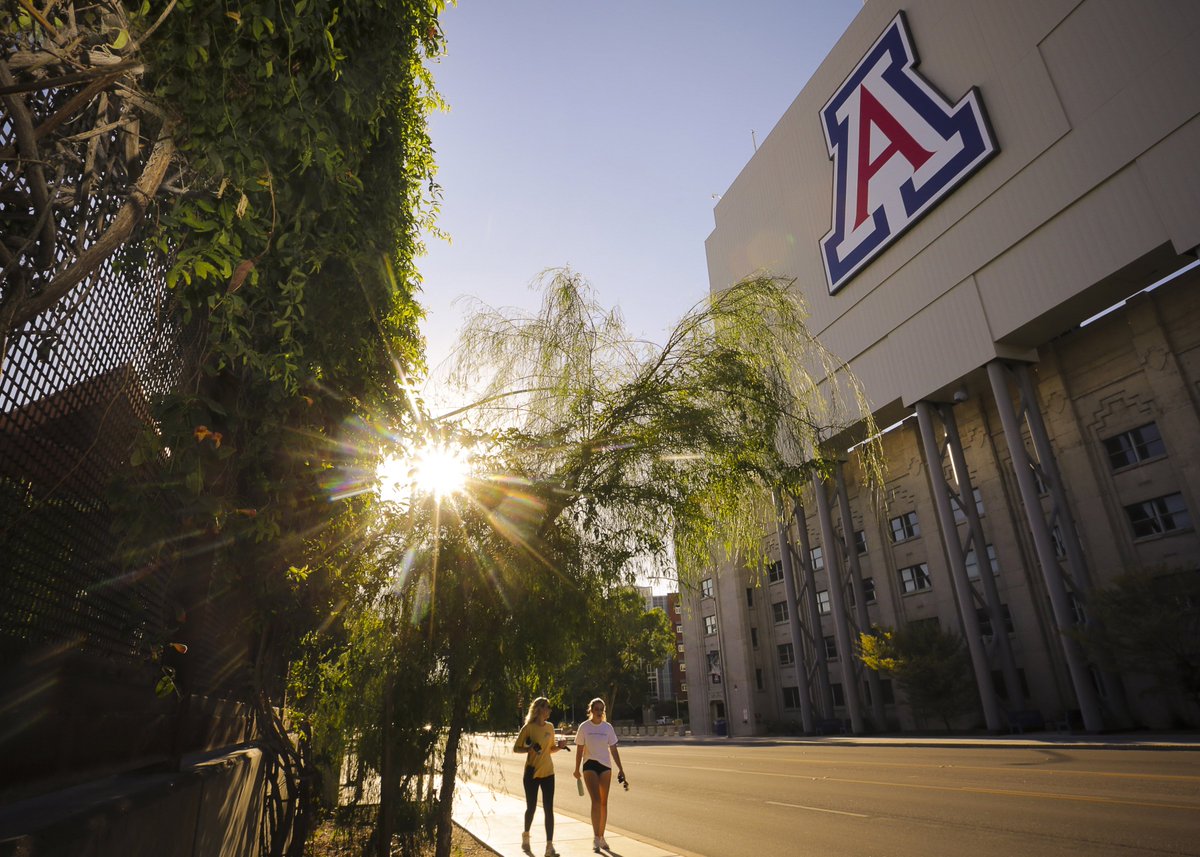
(621, 780)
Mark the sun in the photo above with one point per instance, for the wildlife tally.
(438, 470)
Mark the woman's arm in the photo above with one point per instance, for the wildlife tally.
(578, 760)
(616, 754)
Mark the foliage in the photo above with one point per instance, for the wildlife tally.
(292, 181)
(1148, 623)
(618, 648)
(673, 448)
(930, 665)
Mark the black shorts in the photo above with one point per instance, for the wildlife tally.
(595, 767)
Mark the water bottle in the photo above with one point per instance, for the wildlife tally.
(579, 785)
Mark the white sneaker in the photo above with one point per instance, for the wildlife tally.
(603, 844)
(525, 840)
(550, 852)
(596, 840)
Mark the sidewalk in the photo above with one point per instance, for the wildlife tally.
(497, 819)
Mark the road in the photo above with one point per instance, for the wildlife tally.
(866, 801)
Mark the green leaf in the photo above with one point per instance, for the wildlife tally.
(122, 40)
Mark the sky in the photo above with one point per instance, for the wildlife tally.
(597, 134)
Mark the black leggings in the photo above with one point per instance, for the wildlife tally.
(546, 784)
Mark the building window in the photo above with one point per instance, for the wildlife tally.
(710, 625)
(780, 611)
(905, 527)
(823, 603)
(683, 687)
(714, 666)
(972, 562)
(868, 584)
(860, 542)
(1078, 609)
(959, 514)
(679, 629)
(831, 648)
(839, 696)
(775, 571)
(1160, 515)
(817, 556)
(680, 647)
(750, 598)
(915, 578)
(1060, 544)
(1135, 446)
(787, 655)
(706, 588)
(758, 679)
(754, 637)
(791, 697)
(985, 620)
(682, 666)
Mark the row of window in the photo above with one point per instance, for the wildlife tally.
(791, 695)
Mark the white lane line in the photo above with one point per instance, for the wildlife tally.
(816, 809)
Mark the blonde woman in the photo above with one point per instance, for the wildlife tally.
(597, 740)
(538, 741)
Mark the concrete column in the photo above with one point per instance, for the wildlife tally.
(838, 604)
(992, 715)
(1064, 617)
(860, 597)
(809, 596)
(991, 595)
(789, 588)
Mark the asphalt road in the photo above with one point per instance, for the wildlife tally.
(863, 801)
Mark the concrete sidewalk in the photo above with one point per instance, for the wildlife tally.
(497, 819)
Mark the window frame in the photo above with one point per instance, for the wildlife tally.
(912, 584)
(905, 527)
(1133, 448)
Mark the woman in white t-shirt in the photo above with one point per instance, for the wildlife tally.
(596, 740)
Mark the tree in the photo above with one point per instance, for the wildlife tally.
(610, 450)
(930, 665)
(615, 654)
(1148, 623)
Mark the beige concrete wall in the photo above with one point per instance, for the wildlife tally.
(1094, 193)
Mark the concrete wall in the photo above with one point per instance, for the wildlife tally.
(1096, 187)
(212, 808)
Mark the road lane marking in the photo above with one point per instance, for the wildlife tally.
(817, 809)
(966, 789)
(1022, 769)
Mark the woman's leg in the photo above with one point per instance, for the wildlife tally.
(531, 791)
(547, 784)
(592, 780)
(605, 780)
(597, 786)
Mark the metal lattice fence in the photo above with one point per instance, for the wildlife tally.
(81, 633)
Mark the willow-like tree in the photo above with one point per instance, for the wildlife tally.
(614, 450)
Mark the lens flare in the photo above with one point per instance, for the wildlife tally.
(440, 470)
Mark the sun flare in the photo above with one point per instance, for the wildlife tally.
(438, 470)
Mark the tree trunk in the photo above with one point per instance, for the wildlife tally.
(445, 811)
(387, 776)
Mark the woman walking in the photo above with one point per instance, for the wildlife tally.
(538, 741)
(597, 740)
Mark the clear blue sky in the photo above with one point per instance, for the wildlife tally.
(595, 134)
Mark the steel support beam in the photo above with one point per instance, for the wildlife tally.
(838, 604)
(992, 714)
(977, 539)
(789, 587)
(1039, 529)
(860, 596)
(824, 689)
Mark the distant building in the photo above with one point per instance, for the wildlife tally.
(956, 191)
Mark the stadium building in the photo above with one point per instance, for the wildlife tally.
(991, 210)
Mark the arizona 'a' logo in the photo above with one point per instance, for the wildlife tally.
(898, 148)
